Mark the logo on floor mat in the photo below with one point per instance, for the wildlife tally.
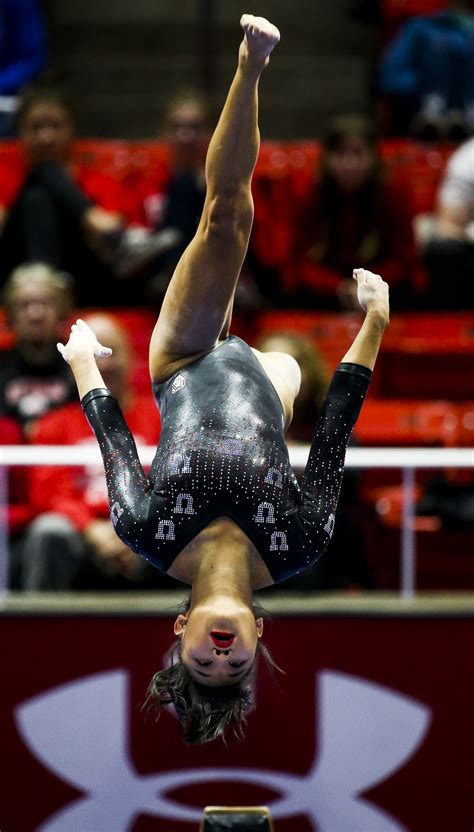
(364, 733)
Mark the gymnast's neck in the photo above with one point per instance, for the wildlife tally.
(221, 557)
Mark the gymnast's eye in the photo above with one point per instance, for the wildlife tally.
(236, 664)
(203, 664)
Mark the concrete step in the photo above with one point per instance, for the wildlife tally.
(124, 60)
(121, 11)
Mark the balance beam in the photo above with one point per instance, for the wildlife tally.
(236, 819)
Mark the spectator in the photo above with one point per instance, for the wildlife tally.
(175, 202)
(33, 378)
(19, 512)
(72, 544)
(428, 74)
(450, 252)
(22, 54)
(68, 215)
(343, 565)
(350, 213)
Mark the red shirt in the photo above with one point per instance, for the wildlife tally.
(19, 511)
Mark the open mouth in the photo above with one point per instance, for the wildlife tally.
(222, 639)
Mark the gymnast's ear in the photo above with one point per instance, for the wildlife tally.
(180, 624)
(259, 625)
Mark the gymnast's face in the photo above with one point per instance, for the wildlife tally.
(218, 641)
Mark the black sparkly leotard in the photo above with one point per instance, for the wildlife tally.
(222, 452)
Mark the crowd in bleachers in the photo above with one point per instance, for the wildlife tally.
(98, 226)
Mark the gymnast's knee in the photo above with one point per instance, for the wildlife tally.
(229, 215)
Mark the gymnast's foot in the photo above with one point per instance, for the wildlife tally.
(260, 38)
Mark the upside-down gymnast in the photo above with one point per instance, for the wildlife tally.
(221, 509)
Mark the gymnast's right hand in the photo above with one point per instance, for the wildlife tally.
(82, 343)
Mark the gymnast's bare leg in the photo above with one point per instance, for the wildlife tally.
(197, 307)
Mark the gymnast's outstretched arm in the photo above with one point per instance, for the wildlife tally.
(324, 471)
(127, 485)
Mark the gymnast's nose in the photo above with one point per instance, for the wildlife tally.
(220, 652)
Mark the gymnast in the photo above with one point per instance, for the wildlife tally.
(221, 509)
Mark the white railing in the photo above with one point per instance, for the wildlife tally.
(407, 459)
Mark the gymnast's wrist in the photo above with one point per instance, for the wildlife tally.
(82, 360)
(377, 314)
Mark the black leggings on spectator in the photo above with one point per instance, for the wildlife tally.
(45, 225)
(450, 265)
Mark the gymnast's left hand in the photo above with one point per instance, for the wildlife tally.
(82, 343)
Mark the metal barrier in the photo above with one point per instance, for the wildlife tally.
(407, 459)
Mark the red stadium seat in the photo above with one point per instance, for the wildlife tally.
(388, 502)
(110, 157)
(10, 152)
(420, 166)
(425, 329)
(394, 13)
(273, 160)
(428, 355)
(402, 9)
(150, 154)
(331, 333)
(466, 424)
(336, 329)
(396, 423)
(407, 423)
(443, 556)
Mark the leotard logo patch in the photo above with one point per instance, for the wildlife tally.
(178, 384)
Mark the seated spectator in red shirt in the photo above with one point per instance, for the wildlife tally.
(350, 213)
(38, 302)
(73, 217)
(72, 543)
(19, 512)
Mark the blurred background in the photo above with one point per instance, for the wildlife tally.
(367, 159)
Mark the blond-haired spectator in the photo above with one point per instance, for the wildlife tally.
(33, 379)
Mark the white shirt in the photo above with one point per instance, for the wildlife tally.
(457, 187)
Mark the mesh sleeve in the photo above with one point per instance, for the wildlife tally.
(127, 485)
(323, 474)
